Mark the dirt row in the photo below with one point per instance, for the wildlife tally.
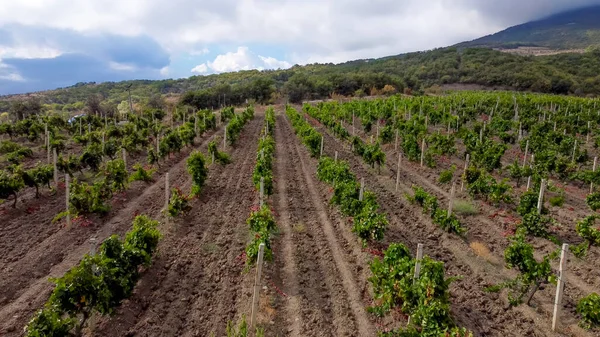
(491, 227)
(314, 288)
(197, 282)
(479, 267)
(34, 250)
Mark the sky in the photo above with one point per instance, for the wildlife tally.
(46, 44)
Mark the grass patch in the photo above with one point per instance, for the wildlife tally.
(210, 247)
(299, 228)
(557, 201)
(464, 207)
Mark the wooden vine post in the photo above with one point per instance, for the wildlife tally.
(67, 189)
(560, 285)
(336, 156)
(167, 192)
(417, 266)
(225, 138)
(55, 168)
(528, 183)
(593, 170)
(422, 151)
(124, 153)
(362, 189)
(322, 140)
(541, 196)
(48, 145)
(587, 136)
(526, 151)
(396, 142)
(462, 184)
(398, 170)
(262, 191)
(574, 151)
(256, 294)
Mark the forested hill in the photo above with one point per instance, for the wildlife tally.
(576, 29)
(563, 74)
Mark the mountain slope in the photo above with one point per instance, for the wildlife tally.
(575, 29)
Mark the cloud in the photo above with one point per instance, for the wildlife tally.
(142, 37)
(200, 69)
(46, 58)
(241, 59)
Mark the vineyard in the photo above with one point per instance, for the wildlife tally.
(470, 214)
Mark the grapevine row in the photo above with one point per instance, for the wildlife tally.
(261, 220)
(425, 299)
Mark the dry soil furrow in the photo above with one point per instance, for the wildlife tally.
(54, 256)
(196, 277)
(489, 318)
(324, 234)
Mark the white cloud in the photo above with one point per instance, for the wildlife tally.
(273, 63)
(241, 59)
(165, 71)
(29, 51)
(8, 73)
(310, 30)
(200, 69)
(121, 66)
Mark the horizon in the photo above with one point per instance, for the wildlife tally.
(97, 42)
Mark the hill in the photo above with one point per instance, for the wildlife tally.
(575, 29)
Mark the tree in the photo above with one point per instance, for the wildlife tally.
(21, 109)
(93, 104)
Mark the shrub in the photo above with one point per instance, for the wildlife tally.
(464, 207)
(593, 201)
(589, 309)
(178, 203)
(557, 200)
(142, 174)
(447, 175)
(196, 166)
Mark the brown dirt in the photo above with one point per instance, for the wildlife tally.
(196, 283)
(482, 312)
(34, 250)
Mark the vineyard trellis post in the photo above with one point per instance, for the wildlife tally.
(422, 151)
(262, 191)
(593, 170)
(462, 184)
(167, 192)
(526, 152)
(256, 294)
(321, 153)
(398, 171)
(336, 156)
(396, 141)
(67, 188)
(362, 189)
(528, 183)
(48, 145)
(225, 138)
(124, 153)
(541, 196)
(560, 285)
(55, 168)
(574, 151)
(587, 136)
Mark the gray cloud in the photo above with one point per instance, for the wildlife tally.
(143, 34)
